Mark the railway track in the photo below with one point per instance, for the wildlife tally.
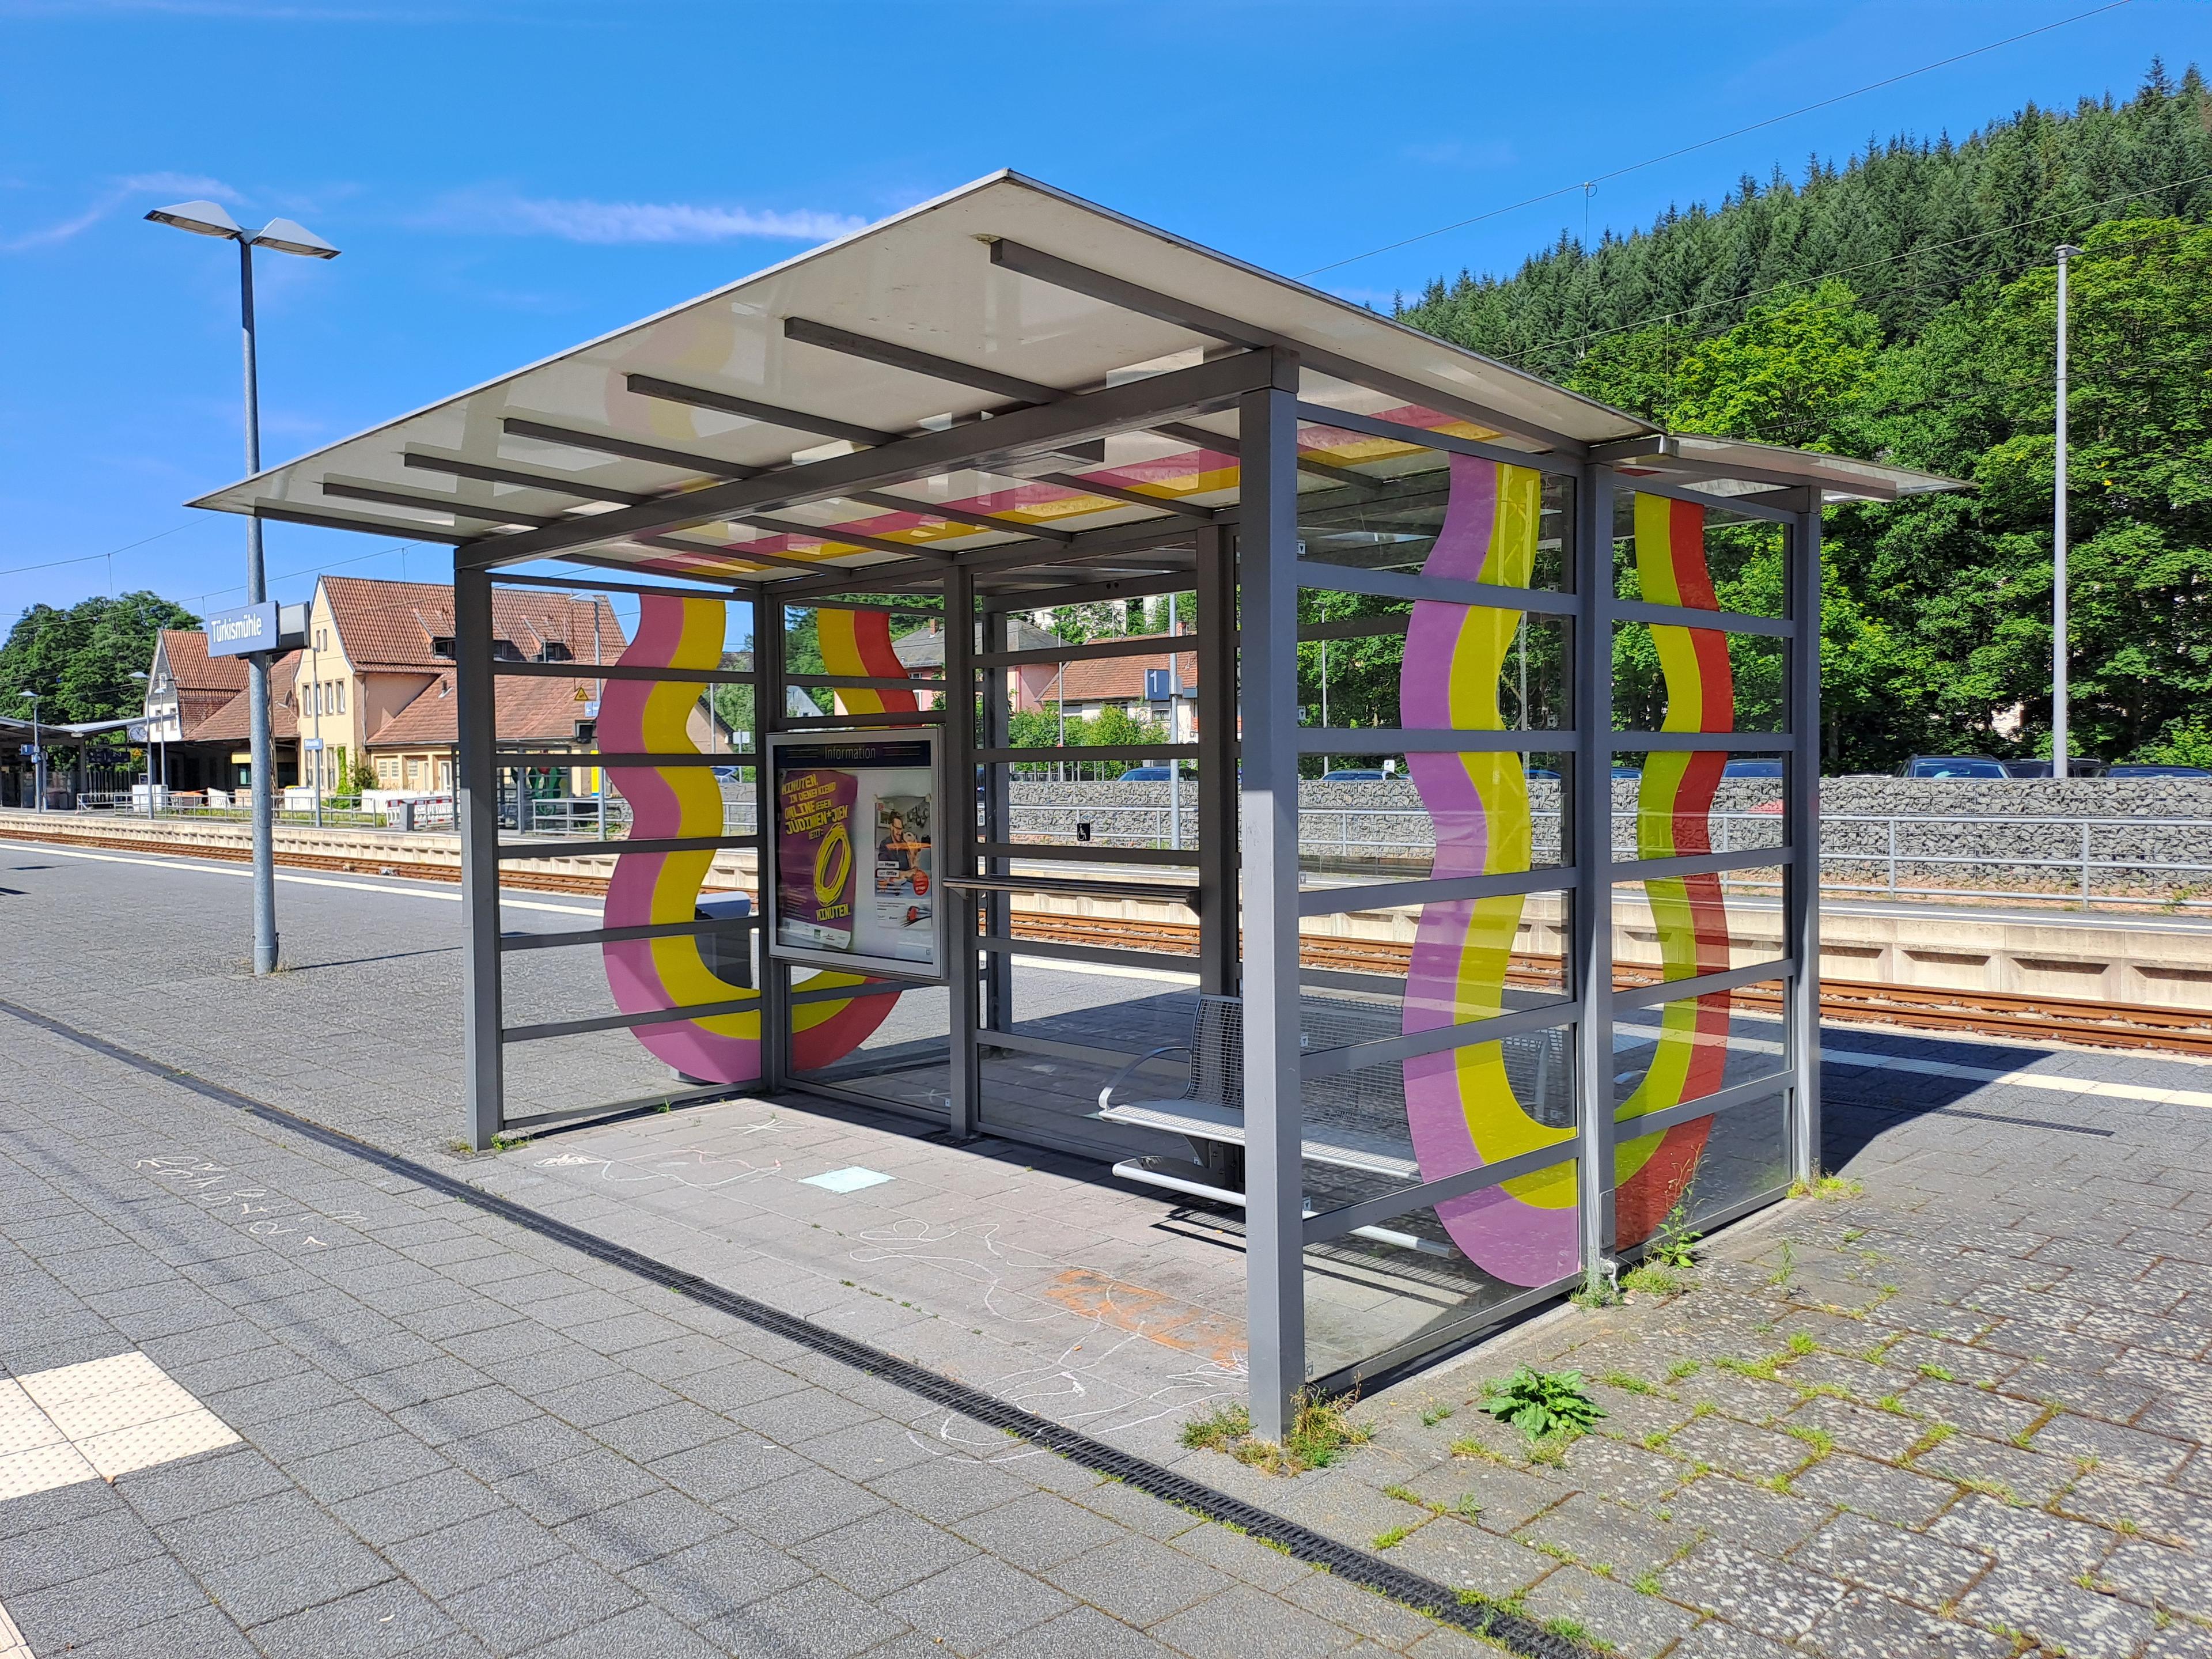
(2103, 1025)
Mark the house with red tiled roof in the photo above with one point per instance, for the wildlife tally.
(197, 715)
(376, 679)
(369, 698)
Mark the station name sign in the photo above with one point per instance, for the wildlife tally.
(239, 632)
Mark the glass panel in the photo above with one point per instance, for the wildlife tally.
(1436, 666)
(1680, 927)
(1422, 1279)
(1425, 511)
(1699, 678)
(1745, 1155)
(1412, 967)
(1118, 1012)
(1693, 1047)
(1682, 803)
(1434, 815)
(1097, 812)
(894, 1047)
(1682, 1051)
(1672, 552)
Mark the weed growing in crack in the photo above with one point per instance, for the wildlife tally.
(1673, 1241)
(1434, 1412)
(1828, 1189)
(1392, 1539)
(1541, 1403)
(1780, 1278)
(1628, 1384)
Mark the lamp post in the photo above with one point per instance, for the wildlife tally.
(38, 754)
(209, 218)
(2058, 690)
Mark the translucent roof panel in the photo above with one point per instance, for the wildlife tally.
(1000, 296)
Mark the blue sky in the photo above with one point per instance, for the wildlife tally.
(509, 179)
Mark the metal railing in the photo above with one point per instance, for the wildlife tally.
(2158, 862)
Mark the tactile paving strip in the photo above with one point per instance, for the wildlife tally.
(96, 1421)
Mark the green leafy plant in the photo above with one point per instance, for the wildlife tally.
(1542, 1404)
(1674, 1243)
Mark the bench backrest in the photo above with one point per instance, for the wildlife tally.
(1535, 1063)
(1216, 1053)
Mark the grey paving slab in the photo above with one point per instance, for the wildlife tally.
(375, 1375)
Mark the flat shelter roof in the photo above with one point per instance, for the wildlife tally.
(1003, 296)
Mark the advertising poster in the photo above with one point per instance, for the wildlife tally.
(854, 854)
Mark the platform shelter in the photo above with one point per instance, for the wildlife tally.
(1581, 631)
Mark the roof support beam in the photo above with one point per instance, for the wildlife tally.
(1021, 392)
(978, 445)
(285, 512)
(651, 386)
(606, 443)
(728, 551)
(850, 538)
(962, 515)
(347, 490)
(458, 466)
(1149, 302)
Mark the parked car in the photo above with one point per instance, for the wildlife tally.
(2157, 770)
(1147, 775)
(1344, 774)
(2076, 768)
(1752, 769)
(1954, 766)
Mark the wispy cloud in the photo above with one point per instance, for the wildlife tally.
(159, 189)
(576, 220)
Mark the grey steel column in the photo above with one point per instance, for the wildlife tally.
(956, 842)
(1275, 1258)
(476, 809)
(1217, 763)
(769, 696)
(256, 664)
(1589, 949)
(997, 825)
(1801, 828)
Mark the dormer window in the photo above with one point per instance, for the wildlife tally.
(506, 651)
(441, 644)
(554, 651)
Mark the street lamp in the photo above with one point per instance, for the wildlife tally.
(209, 219)
(38, 752)
(2065, 251)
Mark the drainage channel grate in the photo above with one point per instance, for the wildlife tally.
(1301, 1543)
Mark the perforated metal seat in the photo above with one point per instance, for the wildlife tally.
(1211, 1107)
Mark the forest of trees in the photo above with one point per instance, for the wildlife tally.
(1899, 306)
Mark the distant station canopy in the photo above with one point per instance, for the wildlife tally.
(1599, 1012)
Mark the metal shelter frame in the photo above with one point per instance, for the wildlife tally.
(1244, 387)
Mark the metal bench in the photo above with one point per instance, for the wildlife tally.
(1353, 1121)
(1211, 1107)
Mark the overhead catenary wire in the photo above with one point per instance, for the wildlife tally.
(1587, 185)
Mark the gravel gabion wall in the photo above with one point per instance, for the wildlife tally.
(2139, 832)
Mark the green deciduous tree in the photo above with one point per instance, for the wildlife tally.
(80, 660)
